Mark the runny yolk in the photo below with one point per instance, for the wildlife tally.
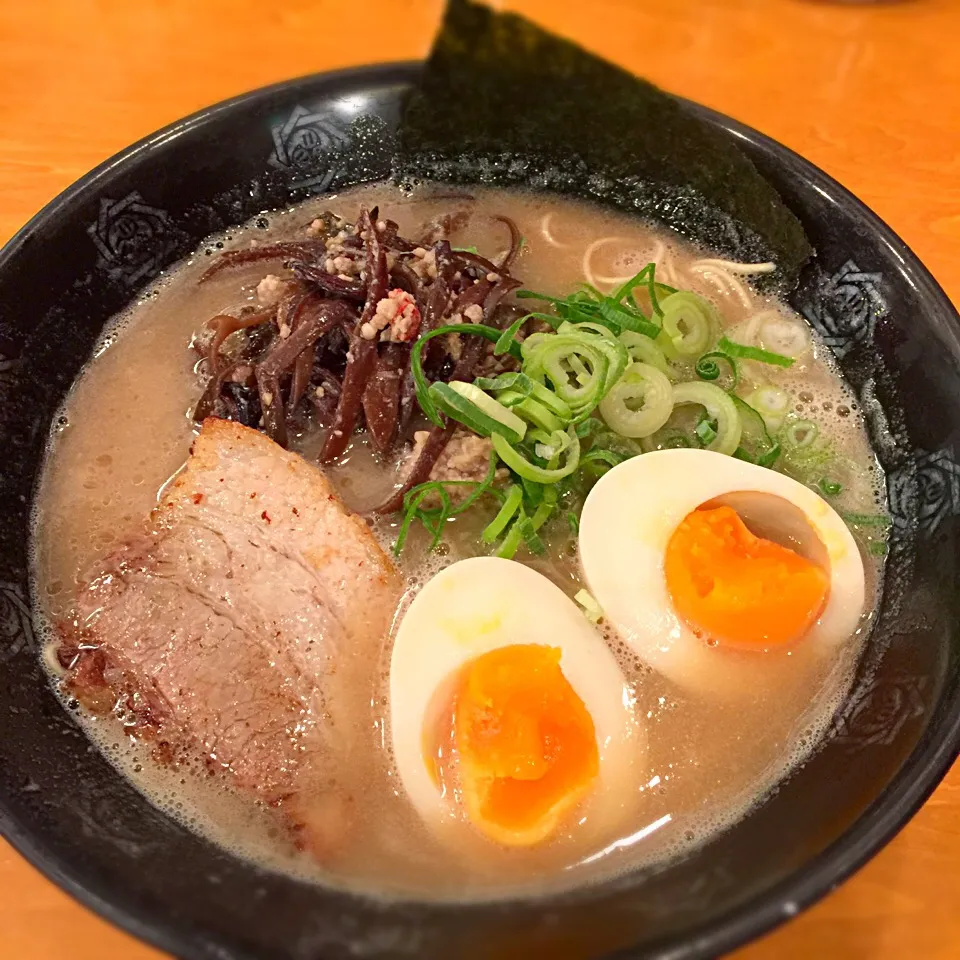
(526, 743)
(738, 589)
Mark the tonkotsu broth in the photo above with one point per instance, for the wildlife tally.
(124, 430)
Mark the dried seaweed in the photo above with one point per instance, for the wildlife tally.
(502, 101)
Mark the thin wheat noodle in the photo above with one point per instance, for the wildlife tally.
(548, 236)
(732, 266)
(663, 266)
(721, 274)
(666, 270)
(723, 282)
(595, 279)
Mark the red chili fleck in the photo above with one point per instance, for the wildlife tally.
(296, 512)
(197, 497)
(265, 516)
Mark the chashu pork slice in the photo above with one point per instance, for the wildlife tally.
(229, 630)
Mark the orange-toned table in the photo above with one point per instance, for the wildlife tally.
(871, 93)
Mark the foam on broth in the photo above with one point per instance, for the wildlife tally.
(124, 430)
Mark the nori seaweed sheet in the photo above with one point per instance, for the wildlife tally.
(503, 102)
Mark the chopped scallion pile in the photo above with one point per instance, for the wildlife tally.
(600, 380)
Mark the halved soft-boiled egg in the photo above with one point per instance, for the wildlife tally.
(704, 563)
(507, 708)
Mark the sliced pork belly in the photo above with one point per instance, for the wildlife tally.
(227, 630)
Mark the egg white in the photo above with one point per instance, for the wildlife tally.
(627, 521)
(477, 605)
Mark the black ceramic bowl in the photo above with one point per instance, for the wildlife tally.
(67, 810)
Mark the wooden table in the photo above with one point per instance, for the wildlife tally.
(871, 93)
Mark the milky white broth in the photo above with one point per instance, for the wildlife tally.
(124, 430)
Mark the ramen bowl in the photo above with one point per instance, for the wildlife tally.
(62, 804)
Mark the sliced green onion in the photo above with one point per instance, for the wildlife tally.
(521, 530)
(690, 325)
(574, 521)
(520, 465)
(608, 458)
(615, 351)
(549, 446)
(587, 428)
(743, 352)
(521, 383)
(466, 249)
(529, 533)
(769, 458)
(579, 369)
(828, 487)
(477, 411)
(554, 357)
(590, 305)
(720, 408)
(509, 335)
(511, 542)
(531, 410)
(416, 495)
(645, 278)
(756, 445)
(542, 514)
(620, 318)
(801, 434)
(877, 548)
(416, 361)
(639, 279)
(645, 350)
(771, 403)
(641, 384)
(499, 523)
(592, 610)
(413, 512)
(706, 431)
(708, 367)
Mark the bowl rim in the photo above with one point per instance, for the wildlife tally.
(919, 773)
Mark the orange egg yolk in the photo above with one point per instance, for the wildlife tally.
(526, 743)
(735, 588)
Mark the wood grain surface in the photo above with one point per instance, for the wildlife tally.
(869, 92)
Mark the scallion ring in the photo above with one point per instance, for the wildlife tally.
(690, 325)
(645, 350)
(771, 403)
(521, 466)
(720, 408)
(829, 488)
(708, 367)
(639, 403)
(576, 367)
(801, 434)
